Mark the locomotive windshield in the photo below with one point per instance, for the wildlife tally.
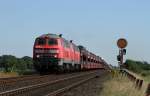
(52, 41)
(40, 41)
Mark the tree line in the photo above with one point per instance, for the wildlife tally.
(141, 67)
(9, 63)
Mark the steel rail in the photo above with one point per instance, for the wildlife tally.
(19, 77)
(15, 79)
(11, 84)
(22, 90)
(60, 91)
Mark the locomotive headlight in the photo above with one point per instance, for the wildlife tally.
(55, 55)
(37, 56)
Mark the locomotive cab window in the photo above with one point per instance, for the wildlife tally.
(52, 41)
(40, 41)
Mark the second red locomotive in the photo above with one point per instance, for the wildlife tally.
(51, 52)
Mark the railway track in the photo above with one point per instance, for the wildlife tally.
(61, 90)
(50, 86)
(17, 82)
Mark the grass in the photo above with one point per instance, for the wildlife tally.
(147, 78)
(122, 86)
(8, 74)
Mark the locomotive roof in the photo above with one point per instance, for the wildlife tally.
(81, 47)
(50, 35)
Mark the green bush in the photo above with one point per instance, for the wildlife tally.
(138, 67)
(145, 73)
(11, 63)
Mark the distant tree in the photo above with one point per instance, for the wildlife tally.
(8, 62)
(21, 65)
(137, 66)
(29, 62)
(11, 63)
(1, 62)
(145, 62)
(1, 66)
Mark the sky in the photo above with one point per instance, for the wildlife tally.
(95, 24)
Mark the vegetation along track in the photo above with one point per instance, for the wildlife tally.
(47, 87)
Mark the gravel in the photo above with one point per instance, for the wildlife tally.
(90, 88)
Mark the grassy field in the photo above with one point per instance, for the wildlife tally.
(122, 86)
(147, 79)
(7, 75)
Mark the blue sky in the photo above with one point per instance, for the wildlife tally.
(96, 24)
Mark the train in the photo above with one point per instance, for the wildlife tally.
(53, 53)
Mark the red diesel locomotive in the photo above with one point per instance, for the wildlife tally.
(51, 52)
